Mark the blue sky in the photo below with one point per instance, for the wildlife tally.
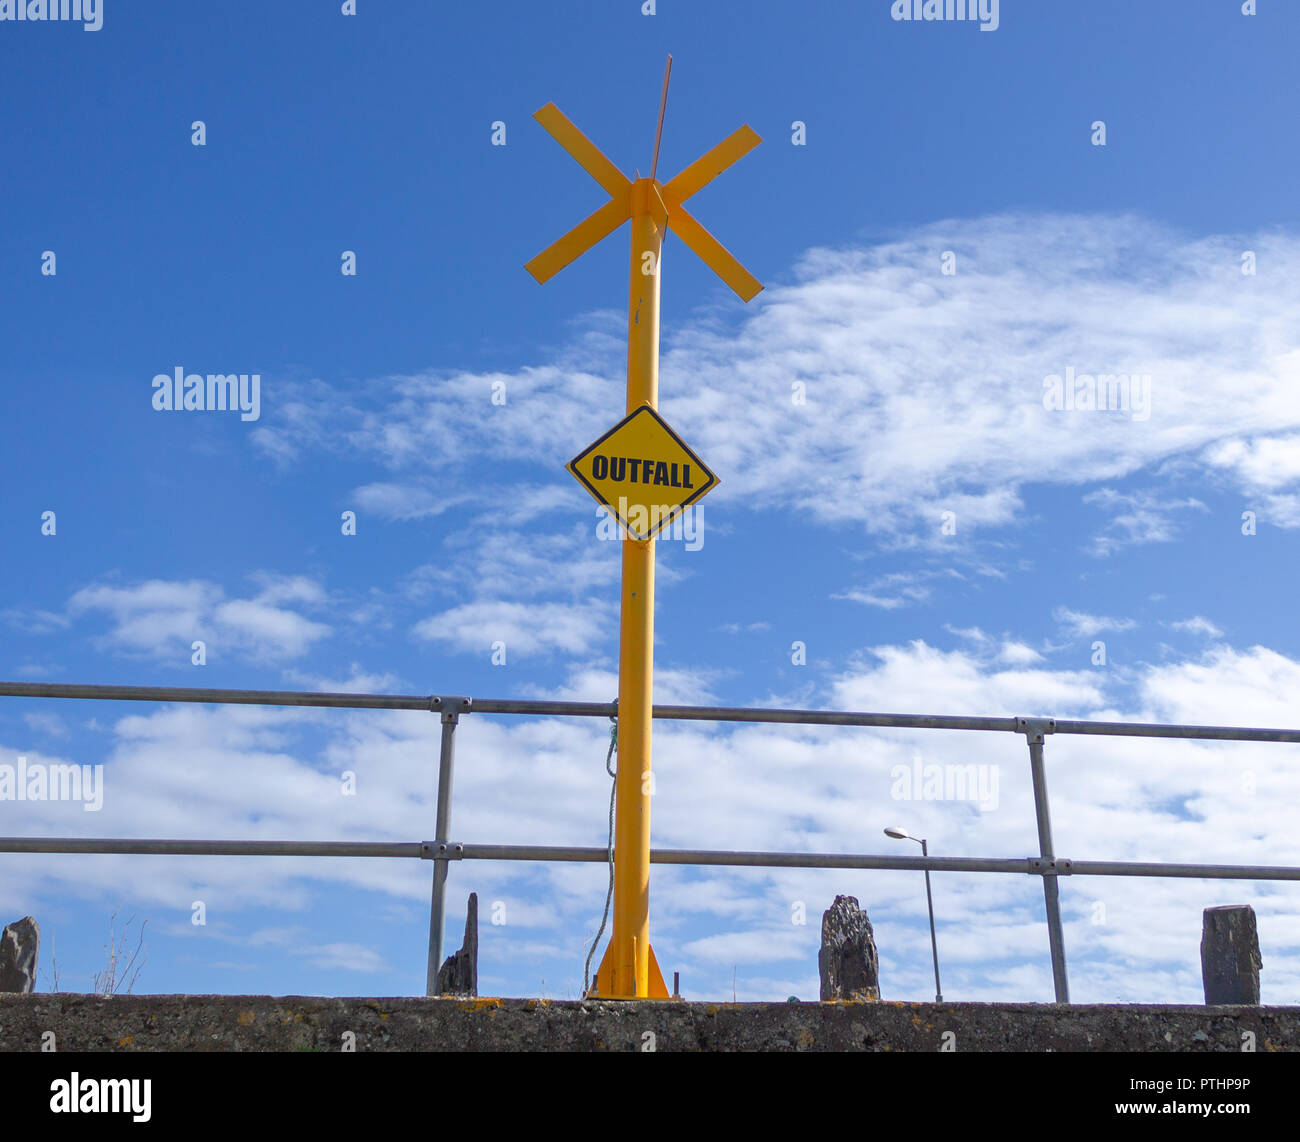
(924, 395)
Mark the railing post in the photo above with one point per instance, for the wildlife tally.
(451, 709)
(1034, 730)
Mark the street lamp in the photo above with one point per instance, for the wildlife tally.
(903, 835)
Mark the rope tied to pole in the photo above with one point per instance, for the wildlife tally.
(609, 893)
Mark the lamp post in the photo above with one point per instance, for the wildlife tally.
(903, 835)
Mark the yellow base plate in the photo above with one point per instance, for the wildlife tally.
(603, 985)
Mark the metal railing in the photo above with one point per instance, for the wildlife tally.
(442, 850)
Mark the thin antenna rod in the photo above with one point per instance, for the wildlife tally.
(659, 131)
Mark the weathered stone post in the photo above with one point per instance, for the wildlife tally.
(459, 974)
(1230, 959)
(847, 960)
(20, 946)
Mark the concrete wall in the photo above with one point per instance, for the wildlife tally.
(297, 1023)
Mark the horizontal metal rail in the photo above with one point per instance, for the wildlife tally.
(432, 850)
(1196, 871)
(442, 850)
(1032, 866)
(438, 702)
(147, 847)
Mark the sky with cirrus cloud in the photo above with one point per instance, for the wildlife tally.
(909, 518)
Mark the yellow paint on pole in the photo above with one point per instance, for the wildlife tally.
(666, 472)
(629, 946)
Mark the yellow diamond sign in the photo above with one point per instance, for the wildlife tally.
(643, 473)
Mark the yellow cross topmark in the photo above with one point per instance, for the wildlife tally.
(621, 204)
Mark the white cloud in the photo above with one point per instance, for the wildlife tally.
(288, 589)
(744, 628)
(924, 392)
(154, 617)
(1227, 687)
(1197, 625)
(920, 677)
(1137, 518)
(971, 634)
(357, 682)
(47, 723)
(33, 621)
(760, 947)
(161, 618)
(905, 587)
(504, 563)
(672, 687)
(297, 941)
(266, 630)
(345, 957)
(1081, 625)
(1264, 463)
(885, 602)
(1018, 654)
(532, 628)
(393, 501)
(1263, 466)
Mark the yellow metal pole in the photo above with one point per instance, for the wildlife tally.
(628, 969)
(628, 957)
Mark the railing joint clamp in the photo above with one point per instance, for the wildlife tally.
(450, 706)
(1035, 729)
